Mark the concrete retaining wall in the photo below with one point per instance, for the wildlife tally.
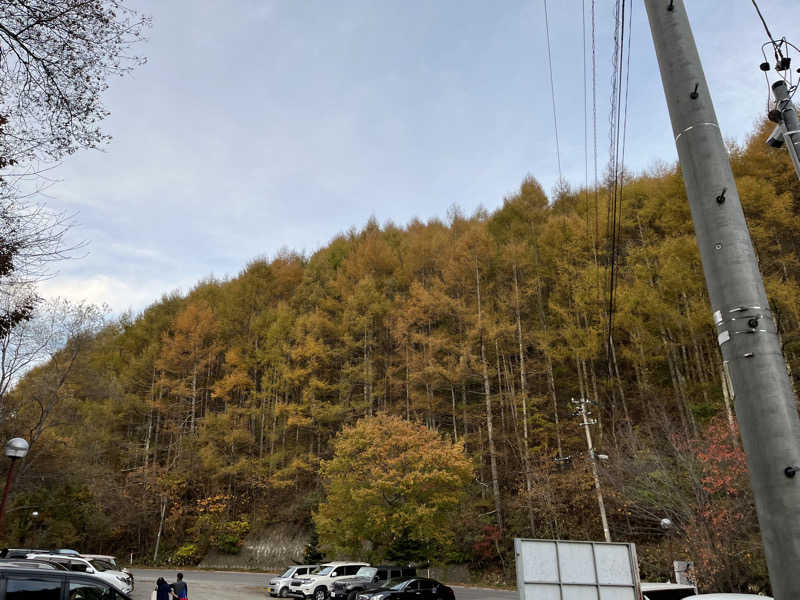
(282, 545)
(272, 551)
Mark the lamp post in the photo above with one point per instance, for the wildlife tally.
(667, 525)
(15, 448)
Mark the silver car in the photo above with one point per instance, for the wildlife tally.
(98, 568)
(279, 586)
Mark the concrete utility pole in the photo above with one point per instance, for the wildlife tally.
(788, 130)
(584, 414)
(765, 405)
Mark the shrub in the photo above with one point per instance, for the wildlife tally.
(186, 555)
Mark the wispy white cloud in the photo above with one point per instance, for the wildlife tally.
(280, 124)
(119, 295)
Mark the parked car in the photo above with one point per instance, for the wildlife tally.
(406, 588)
(368, 578)
(666, 591)
(318, 584)
(21, 552)
(96, 567)
(46, 584)
(112, 560)
(727, 597)
(31, 563)
(279, 586)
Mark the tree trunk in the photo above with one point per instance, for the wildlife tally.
(455, 424)
(367, 396)
(551, 384)
(677, 388)
(523, 380)
(488, 394)
(523, 448)
(628, 424)
(160, 527)
(194, 397)
(408, 391)
(727, 398)
(150, 421)
(500, 395)
(262, 425)
(464, 412)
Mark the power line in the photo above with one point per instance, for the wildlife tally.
(763, 22)
(622, 151)
(585, 119)
(594, 124)
(617, 137)
(611, 216)
(552, 90)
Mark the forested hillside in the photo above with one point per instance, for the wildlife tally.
(210, 415)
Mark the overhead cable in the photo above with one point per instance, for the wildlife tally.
(552, 90)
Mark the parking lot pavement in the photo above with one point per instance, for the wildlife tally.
(204, 585)
(236, 585)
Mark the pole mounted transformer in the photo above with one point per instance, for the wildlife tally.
(747, 334)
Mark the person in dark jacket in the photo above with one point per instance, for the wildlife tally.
(163, 589)
(179, 588)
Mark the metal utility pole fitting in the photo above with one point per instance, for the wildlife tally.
(747, 335)
(789, 126)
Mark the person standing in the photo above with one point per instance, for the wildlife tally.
(163, 589)
(179, 588)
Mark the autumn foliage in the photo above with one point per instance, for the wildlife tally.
(722, 533)
(406, 389)
(392, 485)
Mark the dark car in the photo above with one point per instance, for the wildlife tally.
(17, 583)
(369, 578)
(406, 588)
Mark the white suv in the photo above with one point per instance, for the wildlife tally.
(279, 586)
(93, 566)
(319, 583)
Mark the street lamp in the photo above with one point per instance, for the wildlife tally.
(15, 448)
(31, 519)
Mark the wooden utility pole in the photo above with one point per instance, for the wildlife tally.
(584, 413)
(747, 335)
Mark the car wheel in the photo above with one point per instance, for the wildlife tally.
(284, 593)
(321, 593)
(352, 595)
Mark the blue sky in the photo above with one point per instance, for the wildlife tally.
(260, 125)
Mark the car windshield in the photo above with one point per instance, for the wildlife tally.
(288, 572)
(101, 565)
(322, 571)
(366, 572)
(397, 583)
